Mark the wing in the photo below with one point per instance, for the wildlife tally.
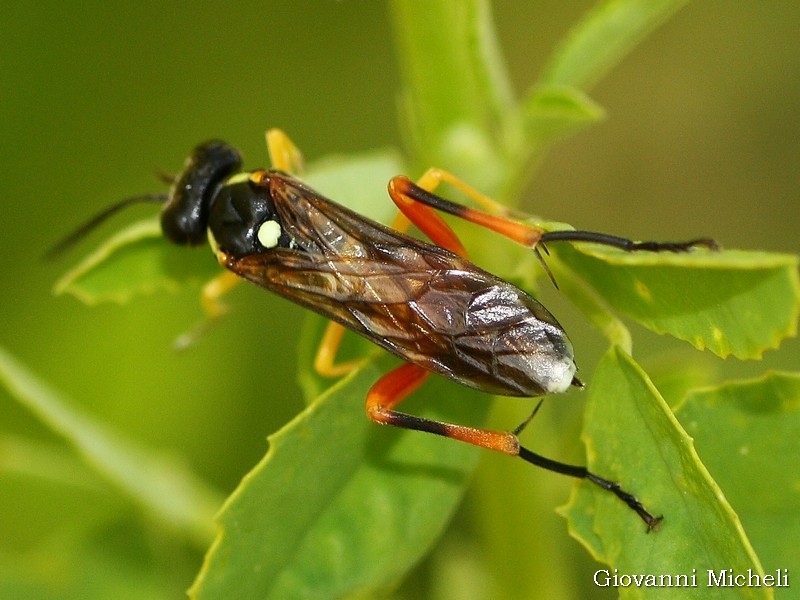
(419, 301)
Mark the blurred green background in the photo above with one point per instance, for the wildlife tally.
(703, 138)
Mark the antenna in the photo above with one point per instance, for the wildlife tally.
(82, 230)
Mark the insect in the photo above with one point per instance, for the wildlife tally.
(424, 302)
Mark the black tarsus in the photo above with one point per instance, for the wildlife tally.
(624, 243)
(574, 235)
(583, 473)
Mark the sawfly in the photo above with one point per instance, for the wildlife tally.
(424, 302)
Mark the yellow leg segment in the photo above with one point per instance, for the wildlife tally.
(431, 179)
(214, 289)
(214, 308)
(283, 154)
(325, 361)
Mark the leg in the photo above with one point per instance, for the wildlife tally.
(398, 384)
(214, 289)
(422, 215)
(418, 201)
(626, 244)
(394, 387)
(583, 473)
(283, 154)
(324, 362)
(210, 296)
(419, 204)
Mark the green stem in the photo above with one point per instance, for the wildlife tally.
(457, 107)
(166, 490)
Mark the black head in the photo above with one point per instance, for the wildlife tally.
(185, 215)
(206, 195)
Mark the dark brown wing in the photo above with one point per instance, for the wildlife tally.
(419, 301)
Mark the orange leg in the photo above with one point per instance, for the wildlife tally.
(427, 219)
(394, 387)
(398, 384)
(419, 204)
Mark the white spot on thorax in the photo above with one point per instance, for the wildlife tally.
(268, 234)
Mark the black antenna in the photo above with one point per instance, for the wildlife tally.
(84, 229)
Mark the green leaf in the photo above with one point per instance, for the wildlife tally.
(731, 302)
(553, 112)
(632, 438)
(134, 261)
(602, 38)
(339, 506)
(160, 485)
(674, 374)
(749, 434)
(139, 260)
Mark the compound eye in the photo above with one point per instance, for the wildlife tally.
(269, 233)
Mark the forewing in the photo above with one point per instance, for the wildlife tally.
(419, 301)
